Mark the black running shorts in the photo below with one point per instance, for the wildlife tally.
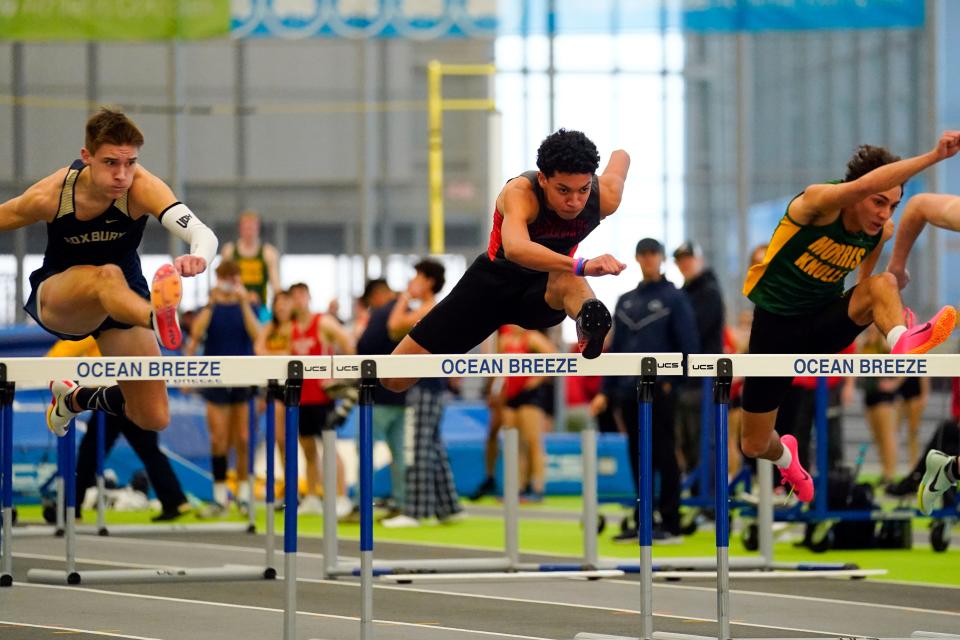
(828, 330)
(489, 295)
(313, 418)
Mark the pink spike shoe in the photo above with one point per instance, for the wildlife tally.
(924, 337)
(165, 293)
(795, 475)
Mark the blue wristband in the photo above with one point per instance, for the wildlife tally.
(580, 266)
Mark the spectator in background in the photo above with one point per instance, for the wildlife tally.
(145, 445)
(518, 402)
(389, 407)
(274, 339)
(258, 261)
(655, 316)
(880, 406)
(914, 393)
(430, 490)
(227, 326)
(317, 334)
(737, 340)
(703, 291)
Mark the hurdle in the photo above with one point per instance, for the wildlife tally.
(723, 369)
(434, 366)
(177, 371)
(368, 369)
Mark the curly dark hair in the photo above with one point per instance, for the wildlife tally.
(867, 158)
(433, 270)
(567, 152)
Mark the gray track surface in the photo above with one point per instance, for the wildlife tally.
(329, 609)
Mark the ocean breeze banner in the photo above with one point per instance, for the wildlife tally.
(107, 20)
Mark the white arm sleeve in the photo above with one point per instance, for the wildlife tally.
(183, 223)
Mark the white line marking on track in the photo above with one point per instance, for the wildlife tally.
(788, 596)
(74, 630)
(312, 614)
(595, 607)
(631, 583)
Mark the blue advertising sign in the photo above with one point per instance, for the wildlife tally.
(728, 16)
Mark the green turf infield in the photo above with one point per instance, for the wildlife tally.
(563, 537)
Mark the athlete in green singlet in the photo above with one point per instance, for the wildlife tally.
(828, 231)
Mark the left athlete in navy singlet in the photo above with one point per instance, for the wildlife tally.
(529, 275)
(91, 283)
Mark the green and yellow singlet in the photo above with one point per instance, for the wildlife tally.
(805, 266)
(253, 272)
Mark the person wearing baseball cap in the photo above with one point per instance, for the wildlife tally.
(655, 316)
(703, 291)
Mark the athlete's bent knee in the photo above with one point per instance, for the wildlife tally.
(753, 447)
(109, 273)
(151, 419)
(882, 283)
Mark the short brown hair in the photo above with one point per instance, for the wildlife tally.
(111, 127)
(228, 269)
(867, 158)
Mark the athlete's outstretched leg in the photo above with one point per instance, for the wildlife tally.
(762, 398)
(877, 300)
(78, 300)
(572, 294)
(942, 472)
(143, 402)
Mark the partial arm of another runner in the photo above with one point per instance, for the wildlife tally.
(152, 195)
(520, 206)
(940, 210)
(822, 200)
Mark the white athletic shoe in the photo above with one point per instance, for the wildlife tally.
(401, 521)
(58, 415)
(310, 506)
(935, 481)
(344, 507)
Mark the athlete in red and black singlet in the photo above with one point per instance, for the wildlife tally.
(495, 291)
(549, 229)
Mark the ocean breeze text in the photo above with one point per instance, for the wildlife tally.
(873, 366)
(172, 369)
(510, 366)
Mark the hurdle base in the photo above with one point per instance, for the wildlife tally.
(507, 576)
(686, 564)
(134, 576)
(6, 580)
(445, 565)
(139, 529)
(33, 531)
